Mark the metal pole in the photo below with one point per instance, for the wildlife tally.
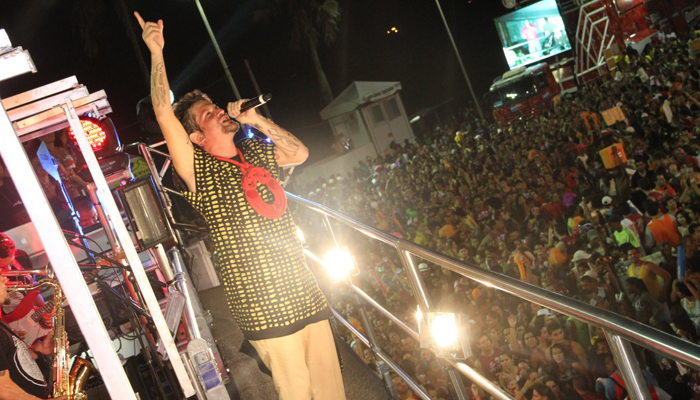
(422, 296)
(628, 366)
(461, 64)
(480, 381)
(414, 386)
(327, 223)
(92, 191)
(218, 50)
(374, 346)
(186, 290)
(257, 88)
(460, 391)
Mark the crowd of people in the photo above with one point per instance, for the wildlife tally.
(535, 201)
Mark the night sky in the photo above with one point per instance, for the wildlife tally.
(420, 55)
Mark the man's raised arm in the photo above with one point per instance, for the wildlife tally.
(176, 137)
(289, 149)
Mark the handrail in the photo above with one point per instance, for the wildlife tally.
(626, 328)
(620, 331)
(383, 356)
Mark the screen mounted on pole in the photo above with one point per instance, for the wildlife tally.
(532, 33)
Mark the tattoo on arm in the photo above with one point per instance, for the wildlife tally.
(287, 142)
(157, 86)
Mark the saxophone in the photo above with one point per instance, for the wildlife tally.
(66, 381)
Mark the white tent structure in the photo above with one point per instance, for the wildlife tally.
(369, 113)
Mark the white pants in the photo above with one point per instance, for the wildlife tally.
(304, 365)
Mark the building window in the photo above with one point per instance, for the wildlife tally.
(392, 109)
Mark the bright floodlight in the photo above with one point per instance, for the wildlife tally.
(444, 330)
(338, 263)
(446, 334)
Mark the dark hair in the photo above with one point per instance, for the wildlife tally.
(651, 207)
(183, 107)
(683, 288)
(685, 215)
(638, 283)
(544, 391)
(565, 351)
(553, 326)
(7, 246)
(693, 227)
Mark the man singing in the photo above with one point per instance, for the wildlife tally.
(273, 296)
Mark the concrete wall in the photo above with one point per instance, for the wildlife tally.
(337, 164)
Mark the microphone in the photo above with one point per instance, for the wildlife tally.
(255, 102)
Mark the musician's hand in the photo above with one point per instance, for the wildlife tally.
(22, 334)
(47, 320)
(44, 346)
(152, 34)
(248, 117)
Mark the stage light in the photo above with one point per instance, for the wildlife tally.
(444, 330)
(105, 143)
(339, 264)
(250, 133)
(100, 134)
(95, 134)
(444, 333)
(145, 212)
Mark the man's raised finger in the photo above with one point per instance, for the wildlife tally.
(138, 18)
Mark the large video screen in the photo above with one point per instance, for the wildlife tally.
(532, 33)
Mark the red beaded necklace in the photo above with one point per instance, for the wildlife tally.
(251, 176)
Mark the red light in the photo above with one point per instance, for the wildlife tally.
(96, 136)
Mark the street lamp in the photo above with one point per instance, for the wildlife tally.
(461, 64)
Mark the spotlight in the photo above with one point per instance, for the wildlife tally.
(339, 264)
(100, 134)
(445, 333)
(105, 143)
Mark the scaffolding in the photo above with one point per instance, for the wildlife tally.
(593, 35)
(42, 111)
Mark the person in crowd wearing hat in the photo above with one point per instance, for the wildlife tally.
(580, 267)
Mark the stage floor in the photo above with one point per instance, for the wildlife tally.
(250, 383)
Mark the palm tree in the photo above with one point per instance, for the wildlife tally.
(313, 20)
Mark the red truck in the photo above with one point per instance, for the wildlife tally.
(522, 93)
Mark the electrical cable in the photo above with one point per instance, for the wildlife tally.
(117, 276)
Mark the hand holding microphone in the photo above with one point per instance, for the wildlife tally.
(233, 112)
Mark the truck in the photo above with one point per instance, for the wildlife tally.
(522, 93)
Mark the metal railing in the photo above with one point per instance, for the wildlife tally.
(620, 331)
